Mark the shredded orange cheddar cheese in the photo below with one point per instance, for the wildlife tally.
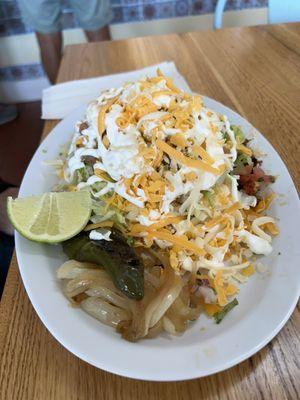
(178, 240)
(101, 115)
(272, 228)
(191, 176)
(248, 271)
(219, 287)
(179, 140)
(189, 162)
(172, 133)
(161, 93)
(214, 221)
(173, 259)
(199, 151)
(102, 174)
(234, 207)
(211, 309)
(221, 168)
(137, 228)
(264, 203)
(244, 149)
(105, 141)
(218, 220)
(231, 289)
(79, 141)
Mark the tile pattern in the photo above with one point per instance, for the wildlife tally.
(124, 11)
(21, 72)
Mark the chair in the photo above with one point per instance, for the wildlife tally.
(279, 11)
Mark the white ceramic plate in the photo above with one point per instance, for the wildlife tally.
(265, 302)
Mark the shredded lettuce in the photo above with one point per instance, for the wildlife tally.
(63, 150)
(241, 161)
(101, 213)
(238, 133)
(97, 186)
(226, 137)
(209, 196)
(81, 175)
(130, 241)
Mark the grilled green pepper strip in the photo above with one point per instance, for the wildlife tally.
(218, 316)
(116, 256)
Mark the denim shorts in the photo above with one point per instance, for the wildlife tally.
(44, 16)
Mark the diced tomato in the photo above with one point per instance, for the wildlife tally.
(251, 179)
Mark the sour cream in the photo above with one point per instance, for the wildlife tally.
(255, 243)
(100, 234)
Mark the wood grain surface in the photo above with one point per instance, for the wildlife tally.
(255, 71)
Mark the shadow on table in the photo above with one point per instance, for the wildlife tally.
(7, 246)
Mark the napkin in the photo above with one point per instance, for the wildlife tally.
(60, 100)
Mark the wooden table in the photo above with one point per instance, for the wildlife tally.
(255, 71)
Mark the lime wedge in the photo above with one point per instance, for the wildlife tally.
(52, 217)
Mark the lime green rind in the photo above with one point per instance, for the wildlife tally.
(79, 219)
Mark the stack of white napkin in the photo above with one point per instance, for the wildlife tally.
(60, 100)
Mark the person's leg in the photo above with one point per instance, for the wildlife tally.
(8, 112)
(98, 35)
(93, 16)
(51, 48)
(44, 17)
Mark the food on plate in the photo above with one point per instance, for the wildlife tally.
(179, 202)
(116, 257)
